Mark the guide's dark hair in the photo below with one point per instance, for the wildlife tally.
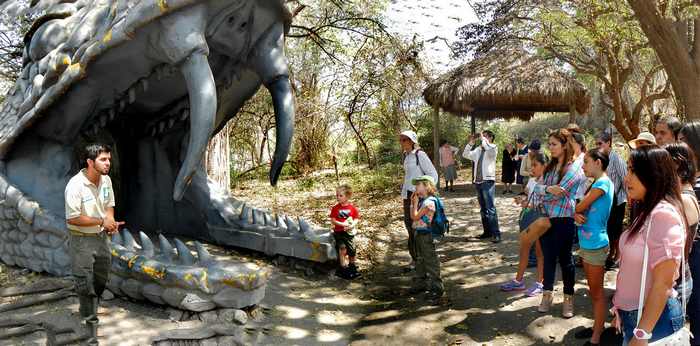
(491, 134)
(599, 155)
(92, 151)
(684, 159)
(673, 123)
(520, 140)
(691, 132)
(653, 166)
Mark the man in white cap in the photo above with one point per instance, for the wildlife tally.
(484, 158)
(416, 163)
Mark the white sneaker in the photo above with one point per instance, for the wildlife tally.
(546, 301)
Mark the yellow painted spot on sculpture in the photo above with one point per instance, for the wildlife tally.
(66, 60)
(115, 253)
(316, 253)
(153, 272)
(163, 5)
(204, 280)
(107, 37)
(75, 66)
(130, 264)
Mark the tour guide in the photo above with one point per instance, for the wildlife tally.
(90, 220)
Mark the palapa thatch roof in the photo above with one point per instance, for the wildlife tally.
(507, 84)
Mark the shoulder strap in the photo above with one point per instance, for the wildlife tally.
(418, 161)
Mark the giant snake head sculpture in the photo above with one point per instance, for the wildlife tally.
(156, 79)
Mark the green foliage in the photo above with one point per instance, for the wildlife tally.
(385, 178)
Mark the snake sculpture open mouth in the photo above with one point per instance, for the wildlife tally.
(155, 79)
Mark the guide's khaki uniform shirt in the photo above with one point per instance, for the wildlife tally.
(84, 198)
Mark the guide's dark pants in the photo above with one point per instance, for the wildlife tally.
(90, 262)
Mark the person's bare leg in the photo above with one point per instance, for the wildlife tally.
(342, 256)
(595, 275)
(527, 238)
(540, 261)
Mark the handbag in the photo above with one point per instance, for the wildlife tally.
(682, 336)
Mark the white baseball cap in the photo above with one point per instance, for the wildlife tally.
(410, 135)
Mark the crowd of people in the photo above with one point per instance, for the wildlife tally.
(575, 201)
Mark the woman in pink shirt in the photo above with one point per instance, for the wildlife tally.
(448, 164)
(652, 182)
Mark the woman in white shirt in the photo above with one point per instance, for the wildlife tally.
(416, 163)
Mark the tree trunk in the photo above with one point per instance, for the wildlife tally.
(681, 60)
(572, 114)
(218, 160)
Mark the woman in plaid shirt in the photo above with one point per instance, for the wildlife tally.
(562, 179)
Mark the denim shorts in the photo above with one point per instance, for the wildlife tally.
(670, 321)
(528, 216)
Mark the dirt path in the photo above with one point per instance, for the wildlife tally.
(324, 310)
(475, 311)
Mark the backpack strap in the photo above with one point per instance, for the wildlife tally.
(418, 161)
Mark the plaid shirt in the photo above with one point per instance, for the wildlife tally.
(564, 205)
(617, 170)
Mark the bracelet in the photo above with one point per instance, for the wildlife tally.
(102, 222)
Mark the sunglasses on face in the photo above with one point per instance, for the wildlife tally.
(599, 143)
(404, 140)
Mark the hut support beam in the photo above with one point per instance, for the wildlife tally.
(436, 140)
(572, 113)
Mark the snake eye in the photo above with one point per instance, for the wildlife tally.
(231, 20)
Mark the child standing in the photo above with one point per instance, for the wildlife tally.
(532, 211)
(592, 214)
(423, 208)
(344, 217)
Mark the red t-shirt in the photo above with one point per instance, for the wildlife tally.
(342, 213)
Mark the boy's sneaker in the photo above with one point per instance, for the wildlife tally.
(513, 285)
(535, 290)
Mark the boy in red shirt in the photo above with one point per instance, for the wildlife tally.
(344, 217)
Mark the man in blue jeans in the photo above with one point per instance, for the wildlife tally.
(484, 157)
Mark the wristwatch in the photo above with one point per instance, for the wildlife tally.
(641, 334)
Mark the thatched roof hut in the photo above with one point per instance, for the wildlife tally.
(507, 84)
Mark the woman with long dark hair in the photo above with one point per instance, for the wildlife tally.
(562, 179)
(656, 238)
(690, 134)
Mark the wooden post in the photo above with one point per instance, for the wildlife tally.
(473, 124)
(436, 141)
(572, 113)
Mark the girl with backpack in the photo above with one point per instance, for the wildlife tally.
(592, 214)
(424, 207)
(415, 164)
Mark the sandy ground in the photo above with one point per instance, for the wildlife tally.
(324, 310)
